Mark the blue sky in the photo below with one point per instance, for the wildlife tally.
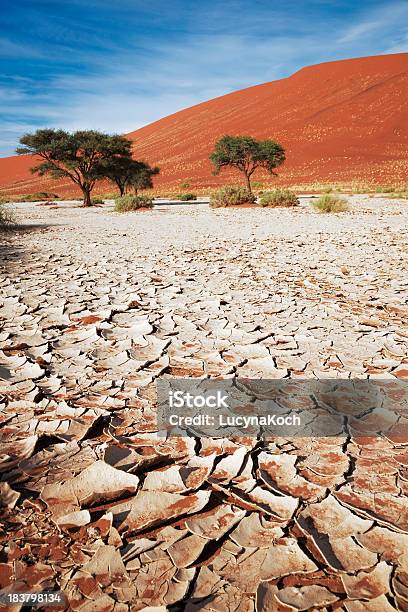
(118, 65)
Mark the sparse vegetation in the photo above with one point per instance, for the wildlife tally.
(38, 196)
(7, 218)
(279, 197)
(247, 154)
(109, 195)
(232, 196)
(186, 197)
(401, 195)
(331, 204)
(129, 202)
(386, 189)
(393, 192)
(186, 184)
(358, 187)
(336, 188)
(96, 201)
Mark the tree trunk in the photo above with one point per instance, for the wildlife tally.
(248, 182)
(87, 196)
(121, 188)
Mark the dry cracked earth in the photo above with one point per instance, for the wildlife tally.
(95, 307)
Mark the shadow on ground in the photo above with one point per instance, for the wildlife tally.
(11, 252)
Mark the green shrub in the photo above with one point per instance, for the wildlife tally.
(393, 192)
(96, 201)
(43, 195)
(6, 218)
(279, 197)
(402, 195)
(110, 195)
(331, 204)
(128, 203)
(231, 196)
(38, 196)
(357, 187)
(186, 197)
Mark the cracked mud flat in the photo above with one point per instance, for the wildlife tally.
(94, 307)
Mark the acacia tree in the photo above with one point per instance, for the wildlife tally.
(247, 154)
(126, 173)
(83, 156)
(142, 179)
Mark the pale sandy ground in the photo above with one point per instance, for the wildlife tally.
(198, 224)
(95, 306)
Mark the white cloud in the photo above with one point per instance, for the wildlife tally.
(141, 81)
(399, 47)
(388, 16)
(9, 48)
(127, 95)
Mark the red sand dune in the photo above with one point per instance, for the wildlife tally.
(339, 122)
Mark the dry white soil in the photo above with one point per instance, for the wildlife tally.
(95, 306)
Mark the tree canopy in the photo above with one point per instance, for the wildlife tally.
(247, 154)
(129, 173)
(83, 156)
(143, 178)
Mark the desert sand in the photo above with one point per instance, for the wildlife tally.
(95, 306)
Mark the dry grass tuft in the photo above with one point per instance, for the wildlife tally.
(7, 219)
(231, 196)
(128, 203)
(279, 197)
(331, 204)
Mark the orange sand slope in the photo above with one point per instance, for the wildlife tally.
(339, 121)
